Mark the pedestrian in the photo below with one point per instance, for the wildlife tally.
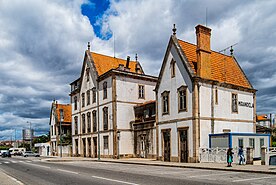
(229, 157)
(241, 155)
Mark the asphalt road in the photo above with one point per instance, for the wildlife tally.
(33, 171)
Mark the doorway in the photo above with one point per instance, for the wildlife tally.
(84, 147)
(183, 145)
(167, 145)
(89, 147)
(95, 147)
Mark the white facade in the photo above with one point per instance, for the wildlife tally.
(121, 97)
(209, 107)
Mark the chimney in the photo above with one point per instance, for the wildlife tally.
(203, 51)
(127, 63)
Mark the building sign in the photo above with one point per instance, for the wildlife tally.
(246, 104)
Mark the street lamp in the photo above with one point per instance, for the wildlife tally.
(31, 135)
(118, 138)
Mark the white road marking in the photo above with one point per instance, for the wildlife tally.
(7, 162)
(113, 180)
(39, 165)
(214, 174)
(14, 162)
(28, 161)
(0, 163)
(67, 171)
(252, 179)
(21, 161)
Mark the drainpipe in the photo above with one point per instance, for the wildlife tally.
(212, 110)
(98, 115)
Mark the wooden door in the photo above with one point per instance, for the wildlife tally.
(183, 146)
(167, 145)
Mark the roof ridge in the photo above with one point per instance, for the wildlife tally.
(111, 56)
(211, 50)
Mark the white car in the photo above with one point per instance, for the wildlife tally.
(30, 154)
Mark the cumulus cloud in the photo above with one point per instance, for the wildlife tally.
(43, 42)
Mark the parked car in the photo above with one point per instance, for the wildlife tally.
(6, 154)
(30, 154)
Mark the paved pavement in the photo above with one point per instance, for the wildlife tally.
(8, 180)
(212, 166)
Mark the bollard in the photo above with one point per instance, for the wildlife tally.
(263, 155)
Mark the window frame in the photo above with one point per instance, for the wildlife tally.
(141, 91)
(105, 142)
(83, 99)
(94, 95)
(250, 142)
(88, 99)
(76, 124)
(94, 116)
(163, 95)
(105, 118)
(234, 103)
(83, 123)
(88, 115)
(185, 99)
(105, 90)
(172, 65)
(75, 102)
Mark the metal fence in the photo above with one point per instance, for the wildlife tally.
(218, 155)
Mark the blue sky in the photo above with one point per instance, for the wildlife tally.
(94, 10)
(42, 45)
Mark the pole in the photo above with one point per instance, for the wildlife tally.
(98, 119)
(60, 141)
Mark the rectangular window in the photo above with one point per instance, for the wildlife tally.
(105, 118)
(240, 142)
(83, 99)
(87, 74)
(75, 103)
(94, 95)
(261, 142)
(252, 142)
(104, 90)
(88, 122)
(165, 102)
(182, 98)
(76, 124)
(234, 103)
(172, 68)
(105, 138)
(141, 92)
(88, 97)
(94, 114)
(83, 123)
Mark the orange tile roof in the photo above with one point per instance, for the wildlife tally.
(223, 67)
(66, 112)
(104, 63)
(262, 117)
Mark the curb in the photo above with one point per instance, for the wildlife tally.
(171, 165)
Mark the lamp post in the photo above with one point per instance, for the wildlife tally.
(31, 135)
(118, 142)
(60, 134)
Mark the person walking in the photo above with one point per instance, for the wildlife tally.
(241, 155)
(229, 157)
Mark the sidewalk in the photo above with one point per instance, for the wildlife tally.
(8, 180)
(211, 166)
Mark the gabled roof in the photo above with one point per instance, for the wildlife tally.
(105, 63)
(224, 68)
(67, 112)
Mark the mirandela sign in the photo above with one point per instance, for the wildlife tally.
(246, 104)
